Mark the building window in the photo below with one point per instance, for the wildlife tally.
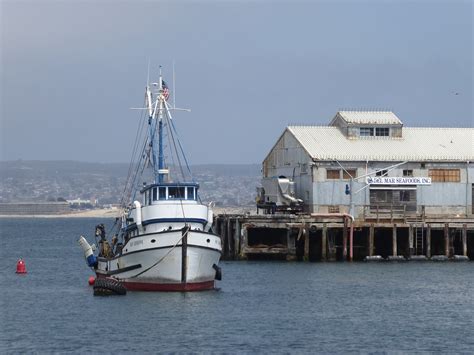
(445, 175)
(404, 196)
(381, 196)
(350, 172)
(333, 174)
(383, 172)
(366, 131)
(408, 172)
(382, 131)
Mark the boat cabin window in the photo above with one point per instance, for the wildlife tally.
(162, 193)
(190, 193)
(175, 192)
(145, 195)
(155, 194)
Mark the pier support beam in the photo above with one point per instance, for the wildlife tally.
(243, 242)
(464, 239)
(410, 240)
(344, 240)
(306, 243)
(446, 239)
(371, 239)
(428, 241)
(229, 239)
(324, 239)
(291, 245)
(394, 240)
(331, 243)
(236, 238)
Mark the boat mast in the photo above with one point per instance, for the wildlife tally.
(161, 158)
(155, 125)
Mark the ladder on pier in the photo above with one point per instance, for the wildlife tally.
(419, 240)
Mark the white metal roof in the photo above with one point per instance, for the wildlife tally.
(416, 144)
(369, 117)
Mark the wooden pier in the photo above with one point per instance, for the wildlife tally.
(338, 238)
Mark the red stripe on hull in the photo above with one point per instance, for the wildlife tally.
(178, 287)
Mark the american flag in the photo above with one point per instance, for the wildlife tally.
(166, 91)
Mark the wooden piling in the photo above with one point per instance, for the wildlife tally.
(229, 238)
(344, 240)
(324, 239)
(446, 239)
(371, 239)
(428, 241)
(243, 242)
(394, 240)
(236, 238)
(464, 239)
(306, 243)
(291, 245)
(411, 247)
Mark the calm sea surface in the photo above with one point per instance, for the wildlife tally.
(267, 307)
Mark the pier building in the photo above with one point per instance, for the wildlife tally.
(365, 185)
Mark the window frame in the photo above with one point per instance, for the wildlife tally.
(331, 171)
(445, 175)
(345, 176)
(378, 130)
(364, 130)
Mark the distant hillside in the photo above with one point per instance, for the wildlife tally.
(23, 180)
(22, 168)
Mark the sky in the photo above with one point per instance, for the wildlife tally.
(71, 71)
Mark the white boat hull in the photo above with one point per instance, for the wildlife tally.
(154, 262)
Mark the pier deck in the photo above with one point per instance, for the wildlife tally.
(337, 238)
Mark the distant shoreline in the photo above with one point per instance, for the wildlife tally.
(97, 213)
(114, 213)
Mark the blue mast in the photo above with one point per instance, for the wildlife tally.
(161, 158)
(155, 125)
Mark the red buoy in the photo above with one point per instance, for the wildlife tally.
(20, 267)
(91, 281)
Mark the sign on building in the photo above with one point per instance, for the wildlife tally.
(385, 180)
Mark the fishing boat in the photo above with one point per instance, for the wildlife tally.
(164, 239)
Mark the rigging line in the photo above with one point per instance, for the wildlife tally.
(162, 258)
(179, 143)
(133, 188)
(169, 146)
(174, 143)
(137, 140)
(133, 156)
(132, 183)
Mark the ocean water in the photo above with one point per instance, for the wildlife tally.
(260, 307)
